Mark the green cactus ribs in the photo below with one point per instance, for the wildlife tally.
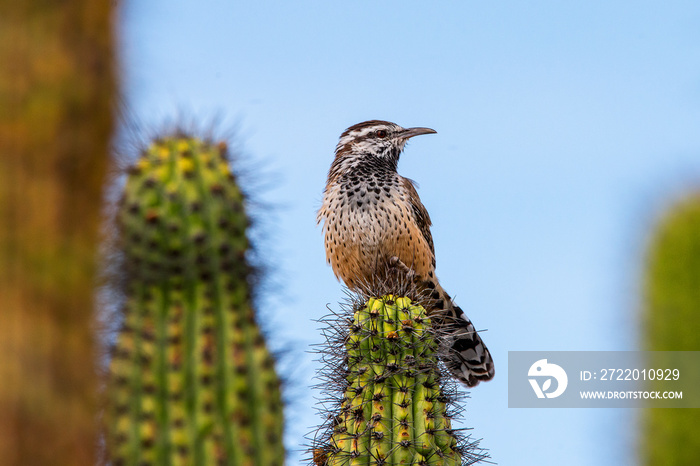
(387, 402)
(672, 301)
(192, 381)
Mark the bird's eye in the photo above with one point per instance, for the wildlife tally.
(381, 133)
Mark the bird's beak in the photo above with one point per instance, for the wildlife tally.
(410, 132)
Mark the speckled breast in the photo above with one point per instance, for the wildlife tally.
(365, 225)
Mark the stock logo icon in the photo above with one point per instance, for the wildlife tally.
(544, 372)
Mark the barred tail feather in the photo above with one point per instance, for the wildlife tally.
(465, 355)
(469, 359)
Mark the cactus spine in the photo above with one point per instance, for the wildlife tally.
(673, 324)
(57, 87)
(395, 406)
(191, 379)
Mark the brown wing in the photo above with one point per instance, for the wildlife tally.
(420, 214)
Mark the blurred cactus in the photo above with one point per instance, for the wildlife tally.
(673, 324)
(191, 381)
(57, 86)
(395, 408)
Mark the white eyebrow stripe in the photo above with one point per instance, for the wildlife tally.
(354, 135)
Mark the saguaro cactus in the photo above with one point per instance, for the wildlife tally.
(57, 86)
(395, 407)
(673, 324)
(191, 379)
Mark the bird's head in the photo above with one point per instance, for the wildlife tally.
(381, 139)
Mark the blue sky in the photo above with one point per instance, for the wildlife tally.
(564, 130)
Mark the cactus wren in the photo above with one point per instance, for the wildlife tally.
(374, 219)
